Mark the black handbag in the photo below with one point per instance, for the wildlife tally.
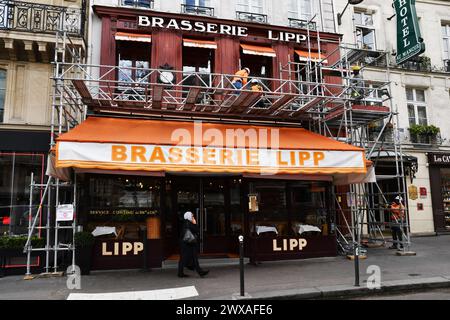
(189, 237)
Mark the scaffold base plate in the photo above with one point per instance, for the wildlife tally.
(352, 257)
(405, 253)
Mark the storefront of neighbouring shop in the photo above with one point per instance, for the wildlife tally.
(136, 179)
(439, 166)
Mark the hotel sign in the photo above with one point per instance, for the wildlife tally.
(409, 40)
(214, 28)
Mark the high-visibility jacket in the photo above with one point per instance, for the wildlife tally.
(398, 211)
(256, 87)
(242, 76)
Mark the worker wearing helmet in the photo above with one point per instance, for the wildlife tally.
(357, 84)
(397, 210)
(240, 78)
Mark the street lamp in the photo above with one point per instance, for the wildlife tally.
(352, 2)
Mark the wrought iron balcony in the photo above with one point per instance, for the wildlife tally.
(302, 24)
(145, 4)
(40, 18)
(204, 11)
(251, 17)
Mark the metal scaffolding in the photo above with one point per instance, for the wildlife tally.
(67, 111)
(317, 92)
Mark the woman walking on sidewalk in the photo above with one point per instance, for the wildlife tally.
(189, 242)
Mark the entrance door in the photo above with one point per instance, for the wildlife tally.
(205, 198)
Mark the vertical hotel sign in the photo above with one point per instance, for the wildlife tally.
(409, 40)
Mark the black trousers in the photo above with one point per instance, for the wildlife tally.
(397, 236)
(188, 258)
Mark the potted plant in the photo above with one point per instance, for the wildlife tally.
(84, 241)
(417, 133)
(423, 133)
(12, 246)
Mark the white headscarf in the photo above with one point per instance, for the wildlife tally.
(188, 216)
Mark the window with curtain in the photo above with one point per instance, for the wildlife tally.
(301, 9)
(364, 30)
(138, 3)
(253, 6)
(446, 45)
(201, 3)
(2, 93)
(417, 107)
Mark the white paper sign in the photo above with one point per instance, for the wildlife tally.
(64, 212)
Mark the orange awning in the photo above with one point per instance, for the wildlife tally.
(258, 50)
(126, 36)
(176, 146)
(199, 44)
(305, 55)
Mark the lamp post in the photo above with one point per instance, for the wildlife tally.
(352, 2)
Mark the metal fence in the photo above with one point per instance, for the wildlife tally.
(41, 18)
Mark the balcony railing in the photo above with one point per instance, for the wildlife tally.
(40, 18)
(204, 11)
(251, 17)
(302, 24)
(145, 4)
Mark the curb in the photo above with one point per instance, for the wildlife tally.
(345, 291)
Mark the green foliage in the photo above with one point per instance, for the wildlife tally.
(424, 130)
(84, 239)
(18, 242)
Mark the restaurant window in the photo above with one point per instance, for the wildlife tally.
(253, 6)
(2, 93)
(138, 3)
(15, 178)
(445, 176)
(125, 205)
(272, 216)
(259, 60)
(309, 208)
(133, 61)
(364, 30)
(417, 107)
(198, 64)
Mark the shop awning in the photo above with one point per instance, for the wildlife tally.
(306, 55)
(176, 146)
(258, 50)
(126, 36)
(199, 44)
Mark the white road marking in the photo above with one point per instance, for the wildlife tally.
(163, 294)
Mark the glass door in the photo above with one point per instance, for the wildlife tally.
(213, 220)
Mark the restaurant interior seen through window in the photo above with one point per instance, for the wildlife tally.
(15, 178)
(291, 208)
(198, 57)
(121, 206)
(259, 60)
(133, 60)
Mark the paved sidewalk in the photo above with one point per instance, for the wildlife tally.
(314, 278)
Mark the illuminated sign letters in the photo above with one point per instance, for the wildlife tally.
(122, 249)
(289, 244)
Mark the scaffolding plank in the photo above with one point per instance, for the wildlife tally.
(281, 103)
(82, 89)
(191, 98)
(310, 104)
(244, 100)
(158, 93)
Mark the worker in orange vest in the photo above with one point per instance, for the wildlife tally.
(397, 215)
(240, 78)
